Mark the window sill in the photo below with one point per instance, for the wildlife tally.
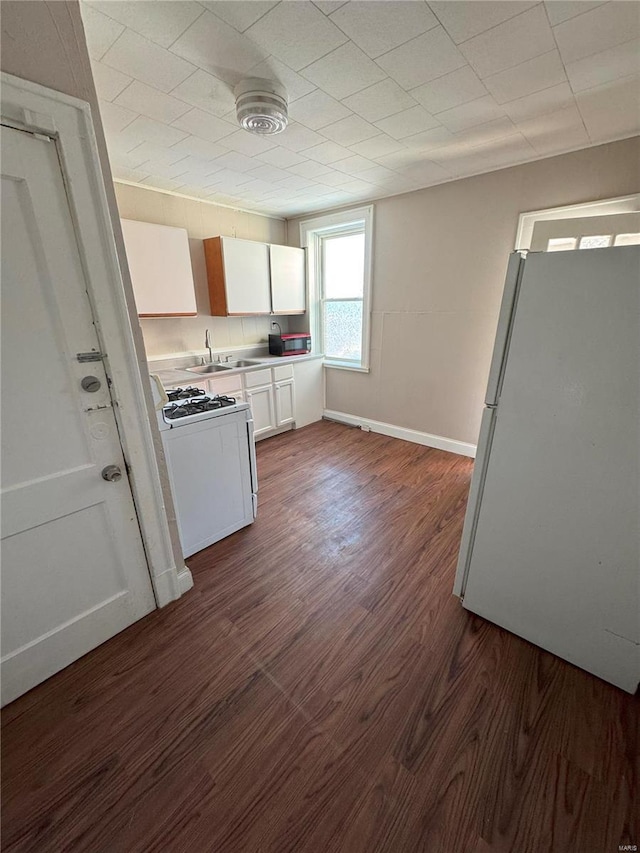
(345, 365)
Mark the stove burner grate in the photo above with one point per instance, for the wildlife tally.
(197, 406)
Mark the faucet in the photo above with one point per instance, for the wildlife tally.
(207, 343)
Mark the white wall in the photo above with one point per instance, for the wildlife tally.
(168, 335)
(440, 256)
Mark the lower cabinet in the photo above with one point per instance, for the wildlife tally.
(279, 396)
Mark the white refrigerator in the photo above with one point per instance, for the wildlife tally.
(550, 546)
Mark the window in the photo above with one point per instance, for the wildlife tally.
(627, 240)
(599, 241)
(339, 258)
(561, 244)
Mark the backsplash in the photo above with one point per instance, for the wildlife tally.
(169, 335)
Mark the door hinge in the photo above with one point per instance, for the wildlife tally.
(90, 356)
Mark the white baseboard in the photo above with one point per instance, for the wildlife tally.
(451, 445)
(185, 580)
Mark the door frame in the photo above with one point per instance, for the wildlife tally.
(38, 109)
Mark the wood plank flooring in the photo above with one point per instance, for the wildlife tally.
(321, 690)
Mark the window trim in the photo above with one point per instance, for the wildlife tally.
(311, 231)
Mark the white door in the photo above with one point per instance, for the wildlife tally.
(73, 566)
(285, 405)
(246, 276)
(288, 282)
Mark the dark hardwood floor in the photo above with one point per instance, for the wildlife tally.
(321, 690)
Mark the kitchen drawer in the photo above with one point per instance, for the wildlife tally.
(255, 378)
(283, 371)
(225, 384)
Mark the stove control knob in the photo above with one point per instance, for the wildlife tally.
(112, 473)
(90, 384)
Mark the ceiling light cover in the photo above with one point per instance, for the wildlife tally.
(261, 106)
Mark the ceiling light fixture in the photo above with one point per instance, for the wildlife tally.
(261, 106)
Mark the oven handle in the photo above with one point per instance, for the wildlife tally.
(252, 456)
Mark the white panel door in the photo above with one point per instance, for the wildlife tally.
(262, 409)
(288, 283)
(555, 556)
(160, 265)
(73, 566)
(246, 276)
(285, 403)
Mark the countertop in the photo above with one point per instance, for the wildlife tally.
(179, 375)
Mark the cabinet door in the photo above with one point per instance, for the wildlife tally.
(229, 386)
(160, 265)
(309, 379)
(262, 409)
(246, 275)
(288, 281)
(285, 403)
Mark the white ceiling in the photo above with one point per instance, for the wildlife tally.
(386, 96)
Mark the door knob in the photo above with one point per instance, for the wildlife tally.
(112, 473)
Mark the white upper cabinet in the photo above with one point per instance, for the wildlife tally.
(238, 275)
(248, 277)
(160, 266)
(288, 286)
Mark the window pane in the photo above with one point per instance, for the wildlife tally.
(561, 244)
(343, 330)
(627, 240)
(344, 267)
(601, 241)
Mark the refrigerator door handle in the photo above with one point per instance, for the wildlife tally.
(515, 271)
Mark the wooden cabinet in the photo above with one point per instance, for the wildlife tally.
(288, 280)
(160, 266)
(238, 276)
(248, 278)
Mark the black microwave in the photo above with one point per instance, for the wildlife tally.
(291, 344)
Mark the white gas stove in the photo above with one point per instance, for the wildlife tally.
(210, 452)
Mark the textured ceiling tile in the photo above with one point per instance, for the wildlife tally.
(327, 152)
(216, 47)
(429, 139)
(282, 158)
(109, 82)
(598, 30)
(317, 110)
(485, 133)
(422, 59)
(344, 71)
(530, 76)
(143, 129)
(353, 165)
(470, 114)
(310, 169)
(465, 20)
(612, 110)
(350, 130)
(272, 69)
(547, 101)
(206, 92)
(101, 31)
(161, 23)
(562, 10)
(328, 6)
(379, 27)
(235, 161)
(196, 147)
(450, 90)
(297, 138)
(511, 43)
(380, 100)
(150, 102)
(240, 15)
(600, 68)
(555, 131)
(204, 125)
(407, 123)
(114, 117)
(146, 61)
(297, 33)
(378, 146)
(249, 143)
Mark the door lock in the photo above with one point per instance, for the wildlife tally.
(90, 384)
(112, 473)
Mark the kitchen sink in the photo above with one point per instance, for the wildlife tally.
(206, 368)
(242, 362)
